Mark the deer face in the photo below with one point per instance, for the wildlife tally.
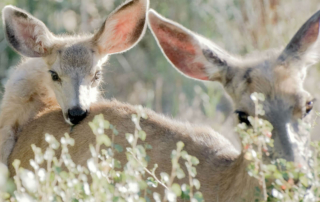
(74, 77)
(74, 63)
(286, 103)
(278, 76)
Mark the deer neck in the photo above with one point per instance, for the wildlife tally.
(234, 183)
(28, 87)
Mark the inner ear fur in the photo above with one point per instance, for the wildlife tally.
(192, 54)
(25, 33)
(305, 43)
(123, 29)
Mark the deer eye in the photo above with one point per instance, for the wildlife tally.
(243, 117)
(98, 75)
(309, 106)
(54, 75)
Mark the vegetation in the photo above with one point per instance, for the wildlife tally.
(105, 179)
(279, 180)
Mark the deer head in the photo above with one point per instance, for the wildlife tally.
(74, 63)
(278, 76)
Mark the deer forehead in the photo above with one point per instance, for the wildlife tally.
(280, 85)
(74, 59)
(269, 78)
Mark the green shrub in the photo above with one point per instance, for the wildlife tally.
(63, 180)
(280, 180)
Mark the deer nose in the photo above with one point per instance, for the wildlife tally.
(76, 115)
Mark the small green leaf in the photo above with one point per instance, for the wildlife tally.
(304, 181)
(164, 177)
(176, 189)
(156, 197)
(185, 191)
(193, 171)
(129, 138)
(152, 182)
(271, 167)
(141, 200)
(180, 173)
(147, 158)
(16, 163)
(64, 175)
(147, 146)
(196, 183)
(198, 196)
(104, 139)
(180, 145)
(184, 154)
(194, 161)
(117, 164)
(118, 148)
(142, 135)
(174, 154)
(57, 169)
(141, 150)
(106, 124)
(277, 175)
(142, 184)
(115, 132)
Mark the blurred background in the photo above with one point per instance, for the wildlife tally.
(143, 76)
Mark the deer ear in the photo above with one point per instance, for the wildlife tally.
(123, 29)
(305, 45)
(191, 54)
(26, 34)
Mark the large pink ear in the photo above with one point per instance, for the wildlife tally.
(124, 28)
(305, 45)
(191, 54)
(26, 34)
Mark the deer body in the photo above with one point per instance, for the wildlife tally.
(60, 71)
(222, 169)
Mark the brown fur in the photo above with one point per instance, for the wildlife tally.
(222, 170)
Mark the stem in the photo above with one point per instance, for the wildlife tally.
(48, 176)
(190, 178)
(112, 149)
(315, 122)
(148, 171)
(173, 171)
(17, 180)
(262, 177)
(315, 156)
(136, 133)
(265, 196)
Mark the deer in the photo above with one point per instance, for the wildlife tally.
(222, 169)
(61, 70)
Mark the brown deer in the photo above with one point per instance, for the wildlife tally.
(63, 70)
(222, 170)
